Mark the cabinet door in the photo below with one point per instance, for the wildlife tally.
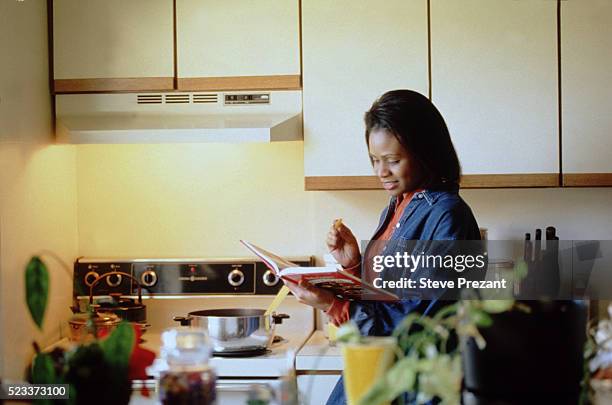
(353, 51)
(238, 44)
(314, 389)
(494, 79)
(586, 92)
(106, 45)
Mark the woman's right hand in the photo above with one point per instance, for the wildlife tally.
(343, 245)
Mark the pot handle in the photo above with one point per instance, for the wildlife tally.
(115, 273)
(184, 320)
(278, 318)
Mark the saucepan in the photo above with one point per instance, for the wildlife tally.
(108, 315)
(235, 331)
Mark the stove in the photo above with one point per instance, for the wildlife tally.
(174, 287)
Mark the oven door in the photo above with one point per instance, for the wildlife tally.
(236, 391)
(230, 391)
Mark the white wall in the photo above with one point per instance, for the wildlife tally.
(37, 185)
(199, 200)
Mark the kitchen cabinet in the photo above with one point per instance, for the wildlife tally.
(586, 92)
(319, 366)
(144, 45)
(352, 52)
(112, 45)
(315, 389)
(238, 44)
(494, 78)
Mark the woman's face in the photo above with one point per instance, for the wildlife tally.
(393, 165)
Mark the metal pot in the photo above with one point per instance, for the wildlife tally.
(126, 308)
(235, 330)
(104, 323)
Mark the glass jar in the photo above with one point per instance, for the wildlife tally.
(188, 379)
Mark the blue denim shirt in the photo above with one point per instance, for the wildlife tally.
(430, 215)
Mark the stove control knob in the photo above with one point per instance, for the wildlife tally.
(148, 278)
(270, 279)
(114, 280)
(235, 278)
(90, 277)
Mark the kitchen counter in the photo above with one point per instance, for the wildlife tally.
(318, 355)
(270, 365)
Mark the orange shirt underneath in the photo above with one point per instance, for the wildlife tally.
(338, 312)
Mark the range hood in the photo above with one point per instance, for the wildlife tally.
(179, 117)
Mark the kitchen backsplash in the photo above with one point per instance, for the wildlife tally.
(199, 200)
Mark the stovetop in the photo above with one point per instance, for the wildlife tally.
(179, 286)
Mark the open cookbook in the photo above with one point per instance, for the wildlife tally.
(331, 277)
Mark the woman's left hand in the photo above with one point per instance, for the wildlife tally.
(309, 295)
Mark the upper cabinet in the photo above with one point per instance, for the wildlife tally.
(494, 79)
(241, 44)
(141, 45)
(112, 45)
(352, 52)
(586, 92)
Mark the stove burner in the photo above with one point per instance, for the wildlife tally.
(243, 353)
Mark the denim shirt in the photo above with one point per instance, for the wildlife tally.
(430, 215)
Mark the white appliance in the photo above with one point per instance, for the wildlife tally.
(179, 117)
(180, 286)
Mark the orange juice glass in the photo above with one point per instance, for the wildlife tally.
(365, 363)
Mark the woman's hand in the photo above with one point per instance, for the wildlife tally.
(309, 295)
(343, 245)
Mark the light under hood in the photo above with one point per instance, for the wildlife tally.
(179, 117)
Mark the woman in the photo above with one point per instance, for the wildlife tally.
(412, 154)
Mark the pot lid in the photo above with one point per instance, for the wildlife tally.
(99, 318)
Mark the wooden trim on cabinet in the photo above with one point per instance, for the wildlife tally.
(113, 84)
(587, 179)
(527, 180)
(318, 372)
(278, 82)
(323, 183)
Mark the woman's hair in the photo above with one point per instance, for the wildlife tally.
(420, 129)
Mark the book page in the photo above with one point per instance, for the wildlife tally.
(274, 262)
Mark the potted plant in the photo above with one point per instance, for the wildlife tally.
(428, 360)
(99, 371)
(600, 361)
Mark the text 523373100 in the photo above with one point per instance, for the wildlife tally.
(33, 391)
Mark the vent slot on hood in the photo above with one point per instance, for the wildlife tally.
(177, 98)
(204, 98)
(149, 99)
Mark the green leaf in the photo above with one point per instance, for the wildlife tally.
(43, 370)
(348, 333)
(521, 269)
(497, 306)
(37, 289)
(481, 318)
(118, 346)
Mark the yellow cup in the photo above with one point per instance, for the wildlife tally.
(364, 364)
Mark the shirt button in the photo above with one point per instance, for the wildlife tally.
(397, 225)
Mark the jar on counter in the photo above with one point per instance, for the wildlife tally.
(189, 379)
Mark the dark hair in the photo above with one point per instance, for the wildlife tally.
(420, 129)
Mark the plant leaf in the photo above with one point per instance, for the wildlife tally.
(348, 333)
(118, 347)
(497, 306)
(37, 289)
(481, 318)
(43, 370)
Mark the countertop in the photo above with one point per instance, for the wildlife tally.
(318, 355)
